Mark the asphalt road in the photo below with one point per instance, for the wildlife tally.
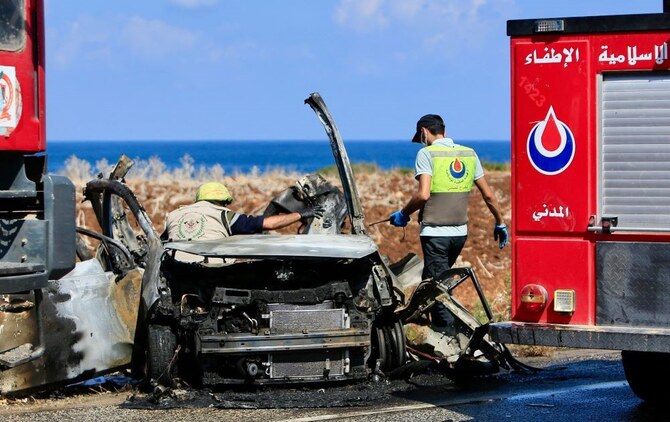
(572, 385)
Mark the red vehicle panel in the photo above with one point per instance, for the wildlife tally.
(551, 149)
(556, 264)
(555, 158)
(591, 189)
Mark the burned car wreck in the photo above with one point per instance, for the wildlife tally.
(273, 308)
(320, 306)
(290, 308)
(317, 306)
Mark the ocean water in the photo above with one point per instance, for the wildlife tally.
(243, 156)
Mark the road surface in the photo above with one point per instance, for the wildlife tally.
(577, 385)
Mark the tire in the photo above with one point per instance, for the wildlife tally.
(389, 346)
(382, 351)
(646, 373)
(161, 345)
(401, 343)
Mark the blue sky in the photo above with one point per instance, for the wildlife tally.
(240, 69)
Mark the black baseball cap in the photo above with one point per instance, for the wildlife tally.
(429, 120)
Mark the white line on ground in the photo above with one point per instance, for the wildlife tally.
(456, 402)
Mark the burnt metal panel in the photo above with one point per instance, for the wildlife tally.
(342, 162)
(309, 296)
(312, 364)
(633, 284)
(306, 320)
(326, 304)
(280, 245)
(80, 326)
(253, 343)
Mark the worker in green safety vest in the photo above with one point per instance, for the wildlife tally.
(446, 173)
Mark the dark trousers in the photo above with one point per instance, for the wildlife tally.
(439, 254)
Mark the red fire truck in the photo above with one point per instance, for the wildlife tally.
(591, 189)
(30, 199)
(60, 319)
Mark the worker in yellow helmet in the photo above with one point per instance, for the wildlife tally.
(209, 218)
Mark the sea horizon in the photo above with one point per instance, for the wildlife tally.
(245, 156)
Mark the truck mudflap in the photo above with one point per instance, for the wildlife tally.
(581, 336)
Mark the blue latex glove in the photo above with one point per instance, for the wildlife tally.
(501, 235)
(398, 219)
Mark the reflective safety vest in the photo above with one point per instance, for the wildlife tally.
(452, 180)
(199, 221)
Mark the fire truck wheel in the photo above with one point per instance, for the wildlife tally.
(161, 346)
(643, 371)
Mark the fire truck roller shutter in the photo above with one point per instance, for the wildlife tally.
(635, 150)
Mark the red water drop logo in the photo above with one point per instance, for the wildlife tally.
(457, 166)
(551, 136)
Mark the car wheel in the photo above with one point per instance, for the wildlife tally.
(393, 357)
(161, 346)
(389, 346)
(643, 371)
(382, 351)
(400, 343)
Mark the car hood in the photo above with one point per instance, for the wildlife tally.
(280, 246)
(341, 161)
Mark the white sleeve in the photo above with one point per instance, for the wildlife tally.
(423, 164)
(479, 170)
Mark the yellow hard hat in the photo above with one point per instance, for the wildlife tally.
(214, 191)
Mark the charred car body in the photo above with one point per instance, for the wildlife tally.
(313, 307)
(281, 308)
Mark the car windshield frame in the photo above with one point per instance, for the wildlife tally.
(315, 101)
